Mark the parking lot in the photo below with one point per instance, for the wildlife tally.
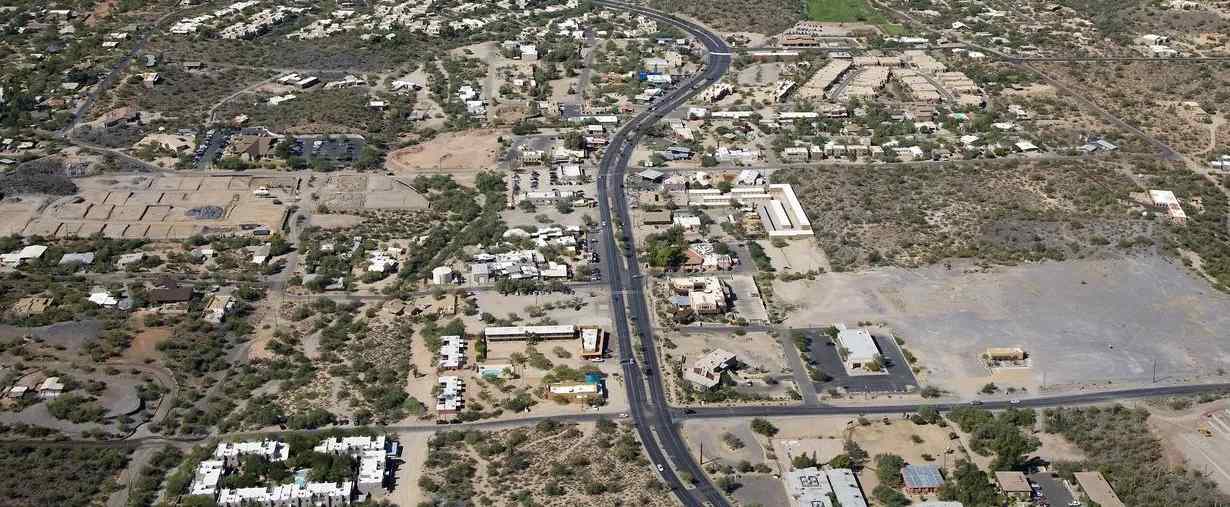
(898, 377)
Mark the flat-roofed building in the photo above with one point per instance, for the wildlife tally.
(845, 487)
(857, 348)
(824, 79)
(593, 343)
(808, 487)
(812, 487)
(1097, 489)
(575, 390)
(451, 397)
(562, 332)
(452, 352)
(922, 479)
(706, 372)
(1014, 484)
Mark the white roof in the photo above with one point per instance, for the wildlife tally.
(528, 330)
(1163, 197)
(858, 343)
(32, 252)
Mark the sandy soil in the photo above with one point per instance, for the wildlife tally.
(459, 153)
(336, 221)
(406, 489)
(145, 340)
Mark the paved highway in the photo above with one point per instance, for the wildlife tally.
(646, 398)
(1086, 398)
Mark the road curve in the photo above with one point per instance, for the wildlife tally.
(646, 397)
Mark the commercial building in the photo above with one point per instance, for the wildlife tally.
(922, 479)
(706, 372)
(812, 487)
(1097, 489)
(579, 391)
(593, 343)
(823, 80)
(509, 333)
(1014, 485)
(779, 208)
(703, 294)
(856, 347)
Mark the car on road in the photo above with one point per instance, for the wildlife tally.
(976, 402)
(1014, 402)
(661, 468)
(623, 415)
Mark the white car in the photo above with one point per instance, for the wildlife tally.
(660, 469)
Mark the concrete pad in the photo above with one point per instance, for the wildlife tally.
(144, 198)
(158, 231)
(135, 231)
(73, 211)
(190, 184)
(88, 229)
(114, 231)
(117, 198)
(215, 183)
(166, 184)
(68, 229)
(42, 228)
(100, 212)
(156, 213)
(128, 213)
(239, 183)
(184, 230)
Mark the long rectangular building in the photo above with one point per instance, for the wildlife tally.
(824, 79)
(565, 332)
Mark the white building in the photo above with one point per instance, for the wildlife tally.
(15, 259)
(442, 275)
(452, 352)
(857, 348)
(706, 372)
(451, 398)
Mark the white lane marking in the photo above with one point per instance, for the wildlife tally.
(722, 54)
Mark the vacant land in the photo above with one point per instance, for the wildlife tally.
(1118, 443)
(1083, 322)
(1006, 212)
(765, 17)
(1151, 96)
(54, 476)
(461, 154)
(548, 464)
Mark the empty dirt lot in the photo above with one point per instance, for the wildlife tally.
(1082, 322)
(461, 154)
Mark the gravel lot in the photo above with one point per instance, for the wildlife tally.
(1083, 322)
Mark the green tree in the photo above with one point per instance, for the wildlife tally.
(888, 469)
(764, 427)
(970, 486)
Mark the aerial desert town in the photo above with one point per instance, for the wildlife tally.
(440, 253)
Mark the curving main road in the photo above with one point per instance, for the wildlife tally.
(646, 397)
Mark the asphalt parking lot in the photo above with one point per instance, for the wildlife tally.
(898, 378)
